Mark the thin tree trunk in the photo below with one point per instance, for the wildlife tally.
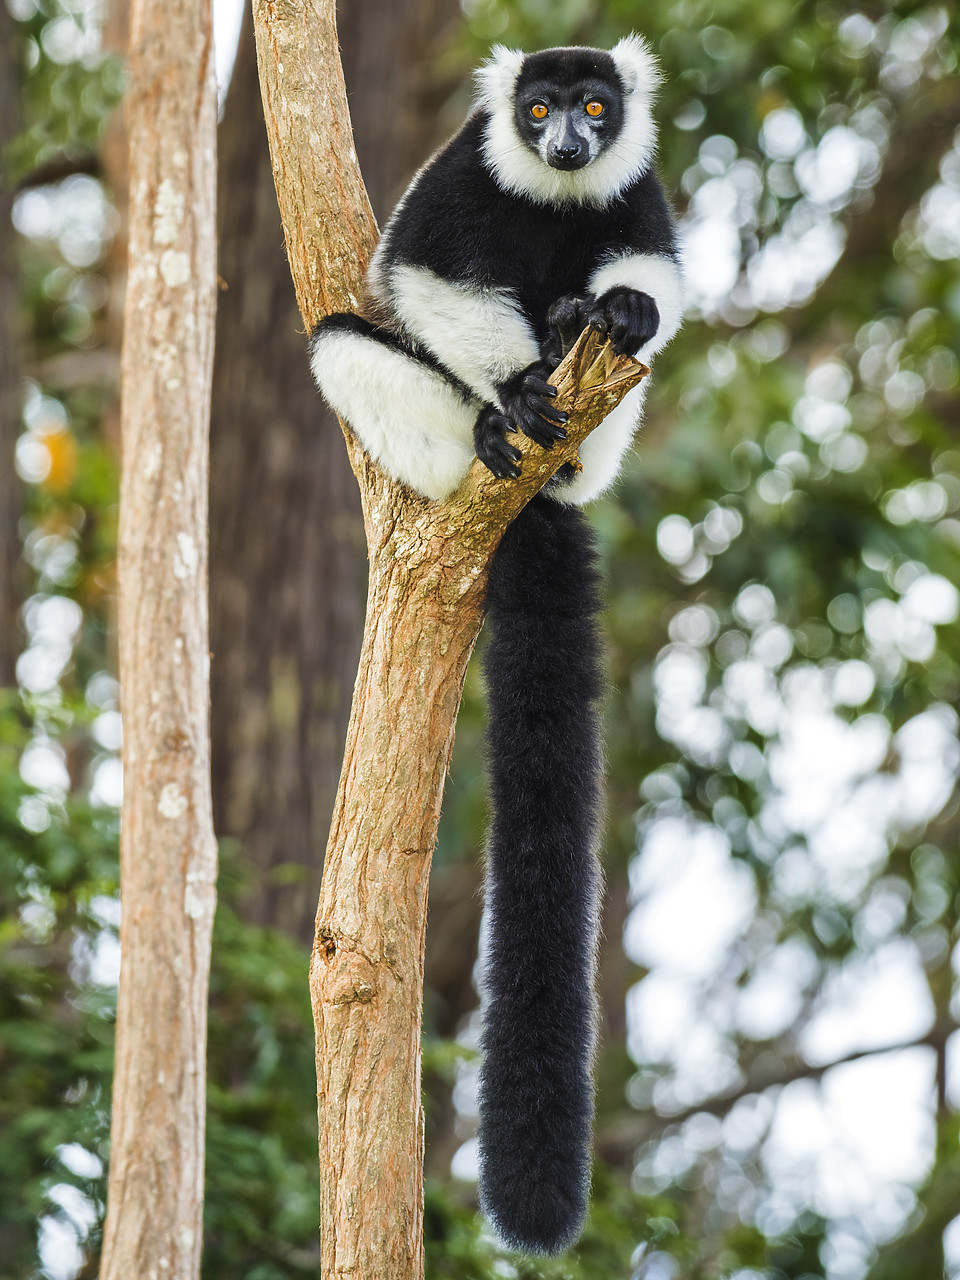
(428, 566)
(168, 854)
(9, 363)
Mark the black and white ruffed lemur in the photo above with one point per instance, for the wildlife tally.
(543, 214)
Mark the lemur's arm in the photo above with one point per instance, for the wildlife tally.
(484, 339)
(480, 335)
(636, 286)
(639, 301)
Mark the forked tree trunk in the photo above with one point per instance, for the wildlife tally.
(286, 611)
(287, 588)
(428, 568)
(168, 855)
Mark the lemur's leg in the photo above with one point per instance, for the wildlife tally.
(482, 335)
(411, 418)
(525, 400)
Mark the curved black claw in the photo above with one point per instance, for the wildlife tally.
(566, 320)
(630, 317)
(526, 402)
(492, 448)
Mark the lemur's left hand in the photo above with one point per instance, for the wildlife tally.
(629, 317)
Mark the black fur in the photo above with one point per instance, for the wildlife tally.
(630, 318)
(544, 675)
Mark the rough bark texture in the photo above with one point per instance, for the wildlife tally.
(286, 610)
(286, 588)
(9, 366)
(168, 855)
(428, 566)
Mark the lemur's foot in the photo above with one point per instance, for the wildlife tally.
(493, 450)
(567, 319)
(526, 401)
(630, 318)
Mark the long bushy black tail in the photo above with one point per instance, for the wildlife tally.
(543, 670)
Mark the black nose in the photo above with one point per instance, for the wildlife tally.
(567, 153)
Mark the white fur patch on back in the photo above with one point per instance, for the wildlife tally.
(408, 417)
(480, 335)
(522, 171)
(653, 273)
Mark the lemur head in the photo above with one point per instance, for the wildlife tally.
(569, 125)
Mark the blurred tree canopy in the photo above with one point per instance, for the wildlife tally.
(783, 554)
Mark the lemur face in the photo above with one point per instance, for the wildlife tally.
(568, 126)
(569, 105)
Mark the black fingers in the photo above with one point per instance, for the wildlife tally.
(566, 320)
(629, 317)
(539, 386)
(493, 450)
(544, 433)
(526, 403)
(537, 418)
(537, 398)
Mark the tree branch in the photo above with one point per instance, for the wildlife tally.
(619, 1141)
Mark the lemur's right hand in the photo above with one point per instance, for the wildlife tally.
(524, 406)
(566, 320)
(526, 401)
(629, 318)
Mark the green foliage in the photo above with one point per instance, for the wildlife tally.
(789, 446)
(69, 88)
(262, 1178)
(460, 1247)
(56, 1029)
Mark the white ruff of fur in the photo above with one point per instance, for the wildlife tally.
(408, 418)
(521, 171)
(650, 273)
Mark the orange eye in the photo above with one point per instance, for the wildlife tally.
(594, 109)
(539, 111)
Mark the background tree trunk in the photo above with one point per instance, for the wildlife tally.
(168, 854)
(397, 95)
(9, 363)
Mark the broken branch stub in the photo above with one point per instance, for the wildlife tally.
(591, 380)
